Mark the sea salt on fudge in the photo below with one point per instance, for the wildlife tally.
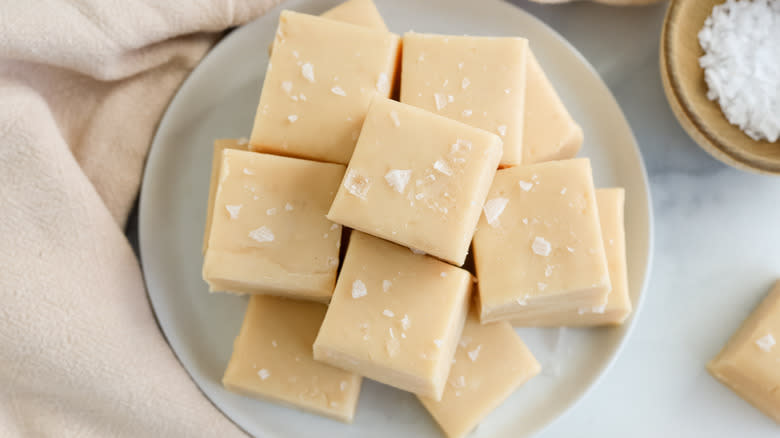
(491, 362)
(549, 132)
(417, 179)
(320, 81)
(216, 163)
(395, 316)
(480, 81)
(269, 233)
(748, 364)
(357, 12)
(538, 248)
(610, 204)
(272, 359)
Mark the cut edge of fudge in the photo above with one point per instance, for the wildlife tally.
(220, 144)
(520, 316)
(454, 256)
(221, 269)
(346, 416)
(525, 311)
(725, 371)
(357, 12)
(482, 412)
(409, 382)
(258, 141)
(570, 143)
(618, 306)
(513, 145)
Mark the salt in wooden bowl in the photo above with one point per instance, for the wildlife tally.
(686, 91)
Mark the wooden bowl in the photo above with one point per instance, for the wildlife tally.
(686, 91)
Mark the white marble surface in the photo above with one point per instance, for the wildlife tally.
(717, 250)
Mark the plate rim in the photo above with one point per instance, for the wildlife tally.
(604, 89)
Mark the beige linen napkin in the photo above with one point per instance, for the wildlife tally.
(83, 84)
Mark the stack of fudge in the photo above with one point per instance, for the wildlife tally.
(348, 217)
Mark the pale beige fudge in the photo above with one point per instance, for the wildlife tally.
(272, 359)
(475, 80)
(748, 364)
(357, 12)
(549, 131)
(417, 179)
(269, 233)
(610, 204)
(538, 248)
(216, 163)
(395, 316)
(320, 81)
(491, 362)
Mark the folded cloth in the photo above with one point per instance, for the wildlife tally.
(83, 84)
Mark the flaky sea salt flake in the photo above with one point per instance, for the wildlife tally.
(474, 354)
(398, 179)
(307, 70)
(382, 83)
(525, 185)
(541, 246)
(493, 209)
(766, 342)
(440, 100)
(233, 210)
(262, 234)
(359, 289)
(395, 119)
(442, 167)
(357, 184)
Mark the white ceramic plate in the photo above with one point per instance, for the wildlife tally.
(219, 100)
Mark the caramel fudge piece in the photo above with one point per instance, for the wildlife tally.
(549, 132)
(538, 248)
(216, 163)
(417, 179)
(269, 233)
(272, 359)
(475, 80)
(610, 204)
(395, 316)
(320, 81)
(491, 362)
(357, 12)
(748, 363)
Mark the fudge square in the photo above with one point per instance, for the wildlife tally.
(269, 233)
(748, 362)
(538, 248)
(417, 179)
(272, 359)
(549, 132)
(216, 163)
(395, 316)
(610, 204)
(475, 80)
(491, 362)
(320, 81)
(357, 12)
